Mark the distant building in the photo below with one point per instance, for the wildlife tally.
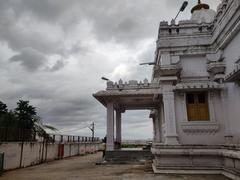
(194, 95)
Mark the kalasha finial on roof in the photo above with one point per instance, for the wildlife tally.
(200, 6)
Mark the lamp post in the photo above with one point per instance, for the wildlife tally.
(147, 63)
(92, 128)
(105, 79)
(183, 7)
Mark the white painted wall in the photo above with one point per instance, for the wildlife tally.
(193, 66)
(34, 153)
(196, 137)
(232, 54)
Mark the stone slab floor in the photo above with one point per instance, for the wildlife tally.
(85, 168)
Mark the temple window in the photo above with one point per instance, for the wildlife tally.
(197, 106)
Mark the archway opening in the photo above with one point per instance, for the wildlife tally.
(137, 130)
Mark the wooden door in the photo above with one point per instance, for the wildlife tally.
(197, 106)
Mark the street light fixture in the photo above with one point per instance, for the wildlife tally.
(105, 79)
(148, 63)
(183, 7)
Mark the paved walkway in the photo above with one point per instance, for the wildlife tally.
(84, 168)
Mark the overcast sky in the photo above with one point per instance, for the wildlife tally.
(54, 52)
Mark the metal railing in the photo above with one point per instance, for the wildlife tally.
(28, 135)
(72, 138)
(17, 134)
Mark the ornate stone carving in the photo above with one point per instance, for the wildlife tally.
(167, 70)
(216, 67)
(110, 84)
(198, 128)
(145, 82)
(205, 85)
(132, 84)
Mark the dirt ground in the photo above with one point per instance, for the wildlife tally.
(85, 168)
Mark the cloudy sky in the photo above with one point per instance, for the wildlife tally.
(54, 52)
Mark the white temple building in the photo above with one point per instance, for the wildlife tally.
(193, 97)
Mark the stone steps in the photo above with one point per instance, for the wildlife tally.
(131, 156)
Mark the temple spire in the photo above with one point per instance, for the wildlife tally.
(200, 6)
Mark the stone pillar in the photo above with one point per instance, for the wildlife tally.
(158, 126)
(152, 115)
(110, 127)
(154, 130)
(171, 136)
(118, 128)
(228, 134)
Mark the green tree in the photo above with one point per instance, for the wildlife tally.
(26, 114)
(3, 108)
(27, 119)
(7, 119)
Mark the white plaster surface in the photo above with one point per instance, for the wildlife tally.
(34, 153)
(203, 16)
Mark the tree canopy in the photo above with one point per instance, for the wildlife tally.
(25, 117)
(26, 114)
(3, 108)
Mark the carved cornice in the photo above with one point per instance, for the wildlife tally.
(216, 67)
(166, 70)
(191, 86)
(131, 85)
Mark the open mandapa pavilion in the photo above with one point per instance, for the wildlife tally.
(193, 97)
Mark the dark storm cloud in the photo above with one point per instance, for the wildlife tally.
(24, 32)
(71, 113)
(125, 21)
(57, 66)
(118, 20)
(72, 107)
(30, 59)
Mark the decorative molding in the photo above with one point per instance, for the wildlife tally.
(132, 84)
(168, 79)
(234, 76)
(167, 70)
(216, 67)
(201, 86)
(200, 128)
(215, 57)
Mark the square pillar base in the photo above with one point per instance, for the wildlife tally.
(228, 139)
(171, 140)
